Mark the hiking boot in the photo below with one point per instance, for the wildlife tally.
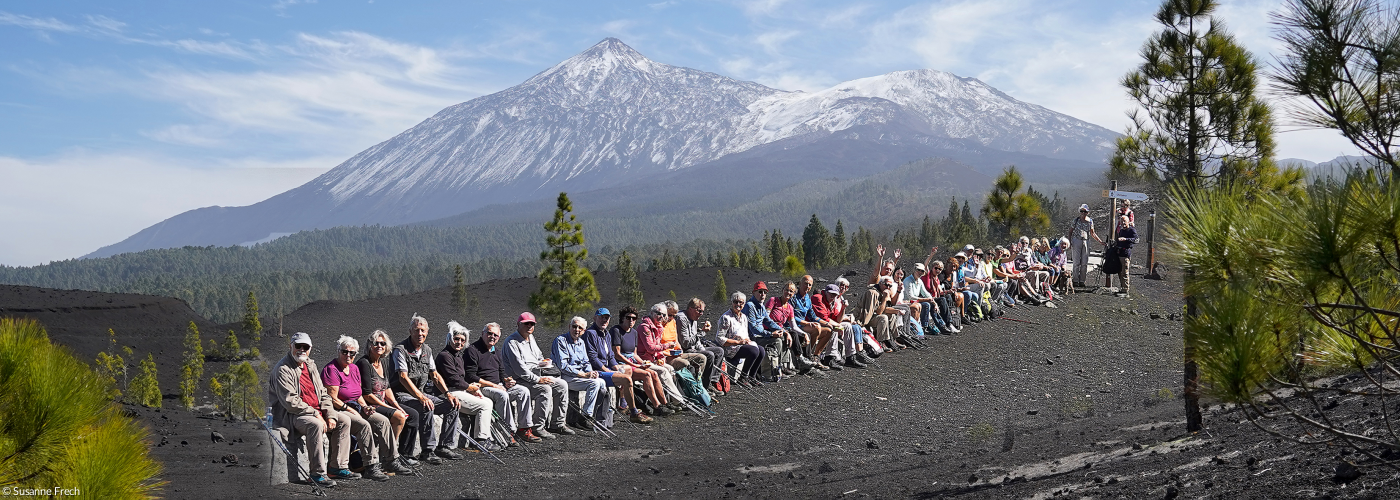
(638, 418)
(445, 452)
(344, 475)
(662, 411)
(563, 429)
(398, 468)
(408, 460)
(587, 423)
(427, 456)
(862, 358)
(831, 363)
(490, 445)
(852, 362)
(753, 382)
(322, 481)
(963, 319)
(375, 473)
(543, 433)
(788, 372)
(527, 435)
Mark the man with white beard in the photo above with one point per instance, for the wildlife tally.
(300, 402)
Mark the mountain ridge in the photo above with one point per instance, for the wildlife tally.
(610, 116)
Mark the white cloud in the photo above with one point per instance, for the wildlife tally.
(34, 23)
(68, 206)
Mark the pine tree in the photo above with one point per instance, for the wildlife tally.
(192, 371)
(145, 389)
(459, 292)
(237, 390)
(792, 268)
(814, 244)
(566, 287)
(231, 349)
(734, 260)
(838, 246)
(252, 326)
(1012, 212)
(629, 288)
(111, 368)
(721, 295)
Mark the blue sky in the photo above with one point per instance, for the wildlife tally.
(118, 114)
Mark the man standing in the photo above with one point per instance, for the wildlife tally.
(300, 402)
(524, 363)
(414, 371)
(483, 366)
(571, 356)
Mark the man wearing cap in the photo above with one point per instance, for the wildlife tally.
(604, 361)
(1080, 231)
(829, 309)
(415, 372)
(571, 356)
(525, 362)
(920, 300)
(300, 402)
(766, 332)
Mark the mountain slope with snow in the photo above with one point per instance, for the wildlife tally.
(609, 116)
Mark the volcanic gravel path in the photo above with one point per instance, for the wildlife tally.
(1076, 401)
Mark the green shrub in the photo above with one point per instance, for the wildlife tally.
(59, 429)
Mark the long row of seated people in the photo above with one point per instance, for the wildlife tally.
(386, 393)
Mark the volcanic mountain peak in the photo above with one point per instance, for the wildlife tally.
(600, 61)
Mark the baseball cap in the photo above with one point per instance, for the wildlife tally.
(920, 266)
(602, 311)
(760, 286)
(526, 317)
(301, 338)
(833, 288)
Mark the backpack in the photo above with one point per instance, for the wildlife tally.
(723, 384)
(1111, 264)
(691, 388)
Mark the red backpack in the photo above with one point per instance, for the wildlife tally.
(723, 383)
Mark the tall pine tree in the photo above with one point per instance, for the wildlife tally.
(629, 288)
(566, 287)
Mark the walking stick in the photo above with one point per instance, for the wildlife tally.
(478, 446)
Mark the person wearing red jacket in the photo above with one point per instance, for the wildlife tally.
(830, 309)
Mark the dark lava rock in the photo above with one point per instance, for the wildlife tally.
(229, 459)
(972, 479)
(1155, 315)
(216, 437)
(1346, 473)
(825, 468)
(1172, 492)
(872, 444)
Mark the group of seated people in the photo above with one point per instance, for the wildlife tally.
(386, 393)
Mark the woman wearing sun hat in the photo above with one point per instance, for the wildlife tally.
(1080, 231)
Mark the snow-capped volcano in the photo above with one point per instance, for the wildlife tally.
(610, 116)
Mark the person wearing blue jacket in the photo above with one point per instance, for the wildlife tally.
(571, 356)
(600, 355)
(766, 332)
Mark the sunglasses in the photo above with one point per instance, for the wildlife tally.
(529, 323)
(630, 317)
(347, 352)
(738, 302)
(303, 347)
(380, 344)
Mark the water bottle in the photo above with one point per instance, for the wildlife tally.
(267, 417)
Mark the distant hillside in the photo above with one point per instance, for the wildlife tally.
(610, 118)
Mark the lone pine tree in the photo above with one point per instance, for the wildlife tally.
(566, 287)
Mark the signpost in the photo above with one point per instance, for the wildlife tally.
(1124, 195)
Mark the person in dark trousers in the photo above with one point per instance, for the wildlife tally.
(414, 372)
(451, 366)
(689, 331)
(600, 355)
(1124, 240)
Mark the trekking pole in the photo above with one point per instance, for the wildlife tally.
(596, 428)
(478, 446)
(316, 489)
(684, 402)
(509, 435)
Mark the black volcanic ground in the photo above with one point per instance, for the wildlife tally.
(1079, 401)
